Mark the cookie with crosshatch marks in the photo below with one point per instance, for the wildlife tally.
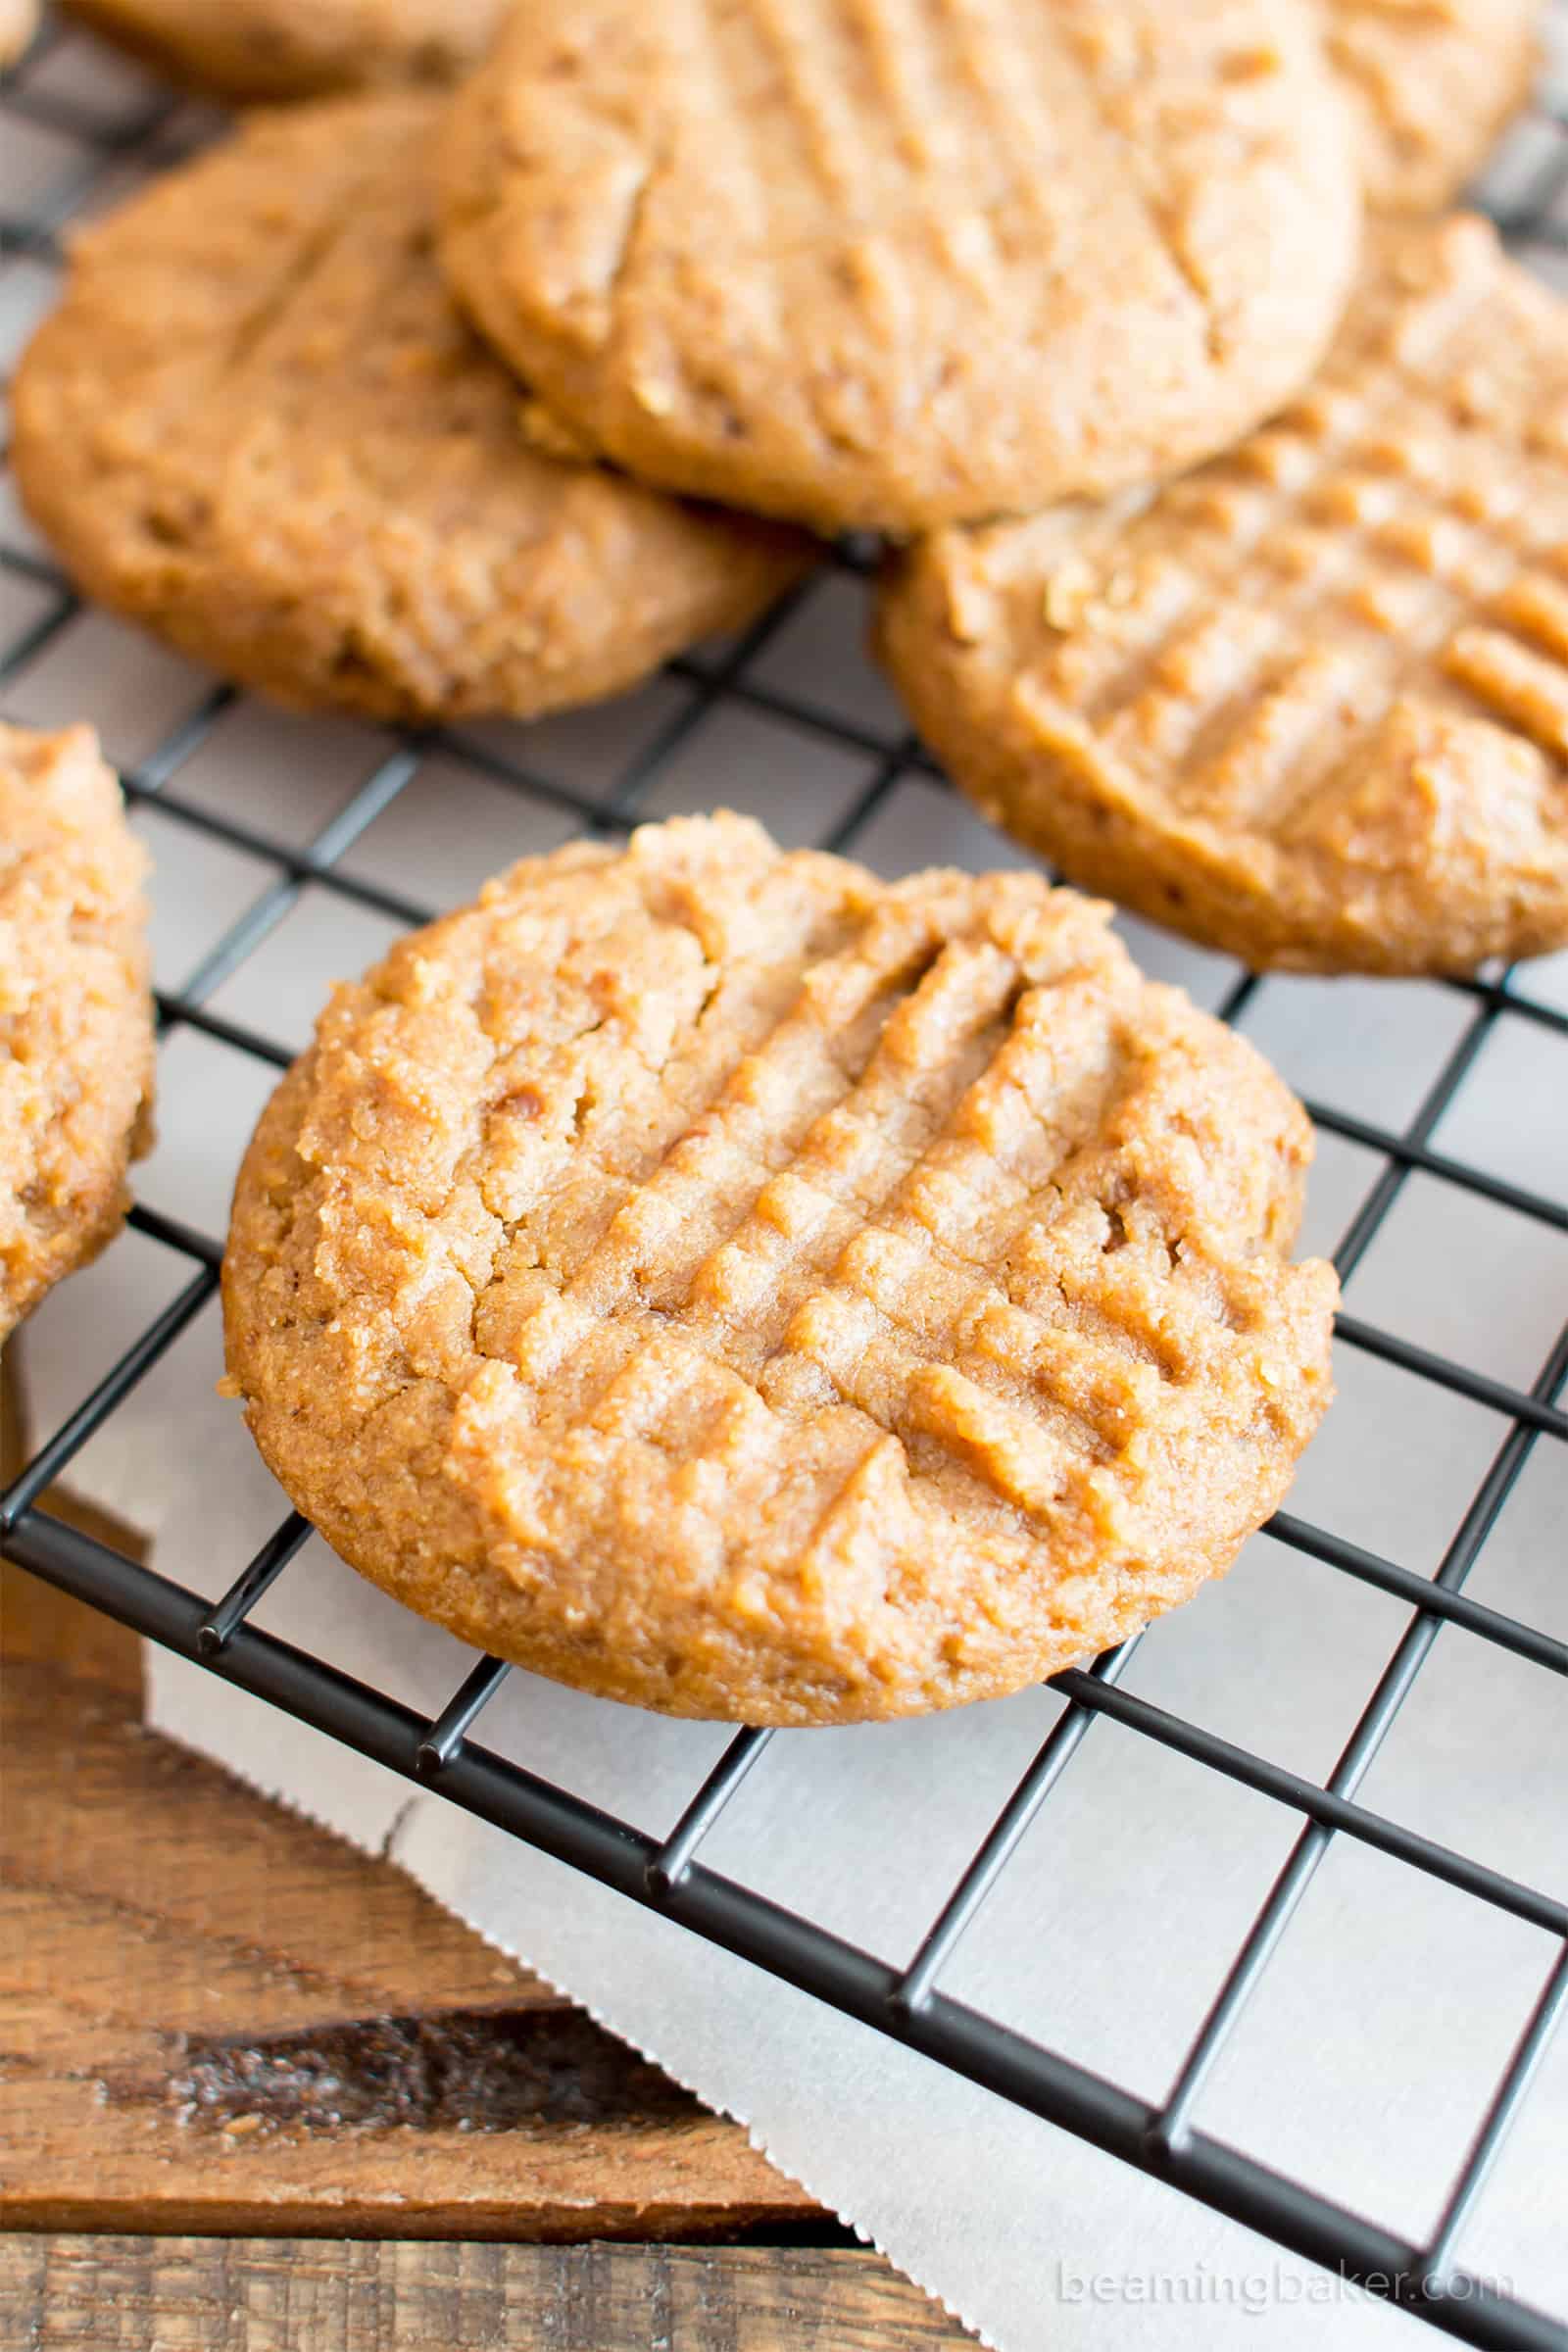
(731, 1283)
(251, 50)
(76, 1012)
(881, 269)
(1431, 83)
(258, 424)
(1311, 703)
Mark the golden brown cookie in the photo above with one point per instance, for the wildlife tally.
(277, 49)
(258, 424)
(727, 1282)
(1311, 704)
(1432, 82)
(75, 1016)
(883, 273)
(19, 21)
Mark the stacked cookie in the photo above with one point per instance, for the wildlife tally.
(1309, 702)
(990, 284)
(252, 51)
(257, 423)
(714, 1277)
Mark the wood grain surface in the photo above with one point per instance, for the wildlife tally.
(214, 2017)
(80, 2294)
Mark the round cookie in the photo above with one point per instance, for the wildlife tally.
(1431, 90)
(783, 255)
(19, 21)
(76, 1015)
(257, 423)
(246, 50)
(731, 1283)
(1309, 704)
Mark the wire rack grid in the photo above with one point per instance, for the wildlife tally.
(75, 131)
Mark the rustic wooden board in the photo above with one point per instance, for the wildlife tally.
(215, 2017)
(282, 2295)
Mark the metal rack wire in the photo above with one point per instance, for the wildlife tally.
(903, 2001)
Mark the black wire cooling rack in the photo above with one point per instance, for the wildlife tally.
(83, 152)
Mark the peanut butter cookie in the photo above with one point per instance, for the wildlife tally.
(247, 50)
(884, 270)
(731, 1283)
(258, 424)
(1432, 86)
(1311, 703)
(19, 21)
(75, 1016)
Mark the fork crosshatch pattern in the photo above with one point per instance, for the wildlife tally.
(298, 848)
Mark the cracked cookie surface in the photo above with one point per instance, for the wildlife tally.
(1431, 84)
(251, 50)
(75, 1013)
(1311, 703)
(258, 424)
(730, 1283)
(882, 264)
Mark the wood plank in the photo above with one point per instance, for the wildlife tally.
(77, 2294)
(36, 1621)
(215, 2017)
